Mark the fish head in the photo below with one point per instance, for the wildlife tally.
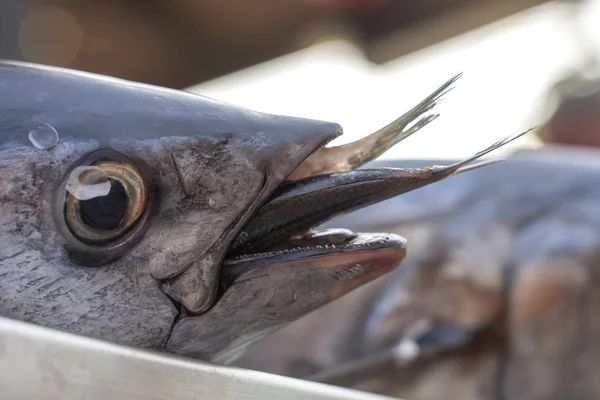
(119, 202)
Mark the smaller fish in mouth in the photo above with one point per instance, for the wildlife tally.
(296, 207)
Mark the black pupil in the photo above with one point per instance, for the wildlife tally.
(106, 212)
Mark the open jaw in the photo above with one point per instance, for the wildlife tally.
(328, 185)
(282, 231)
(281, 237)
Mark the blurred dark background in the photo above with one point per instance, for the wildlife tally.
(178, 43)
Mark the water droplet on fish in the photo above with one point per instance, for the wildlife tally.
(88, 182)
(44, 137)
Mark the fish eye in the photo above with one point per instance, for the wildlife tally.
(102, 206)
(104, 201)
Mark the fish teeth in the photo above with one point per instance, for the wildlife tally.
(289, 251)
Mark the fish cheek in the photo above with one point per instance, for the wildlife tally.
(204, 188)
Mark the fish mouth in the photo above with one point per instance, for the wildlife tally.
(329, 183)
(248, 250)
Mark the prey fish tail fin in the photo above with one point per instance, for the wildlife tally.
(353, 155)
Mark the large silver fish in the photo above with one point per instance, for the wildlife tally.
(165, 220)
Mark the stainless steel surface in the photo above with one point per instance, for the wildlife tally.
(40, 363)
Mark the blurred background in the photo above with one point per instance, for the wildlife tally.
(360, 63)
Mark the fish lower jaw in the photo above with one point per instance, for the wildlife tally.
(321, 243)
